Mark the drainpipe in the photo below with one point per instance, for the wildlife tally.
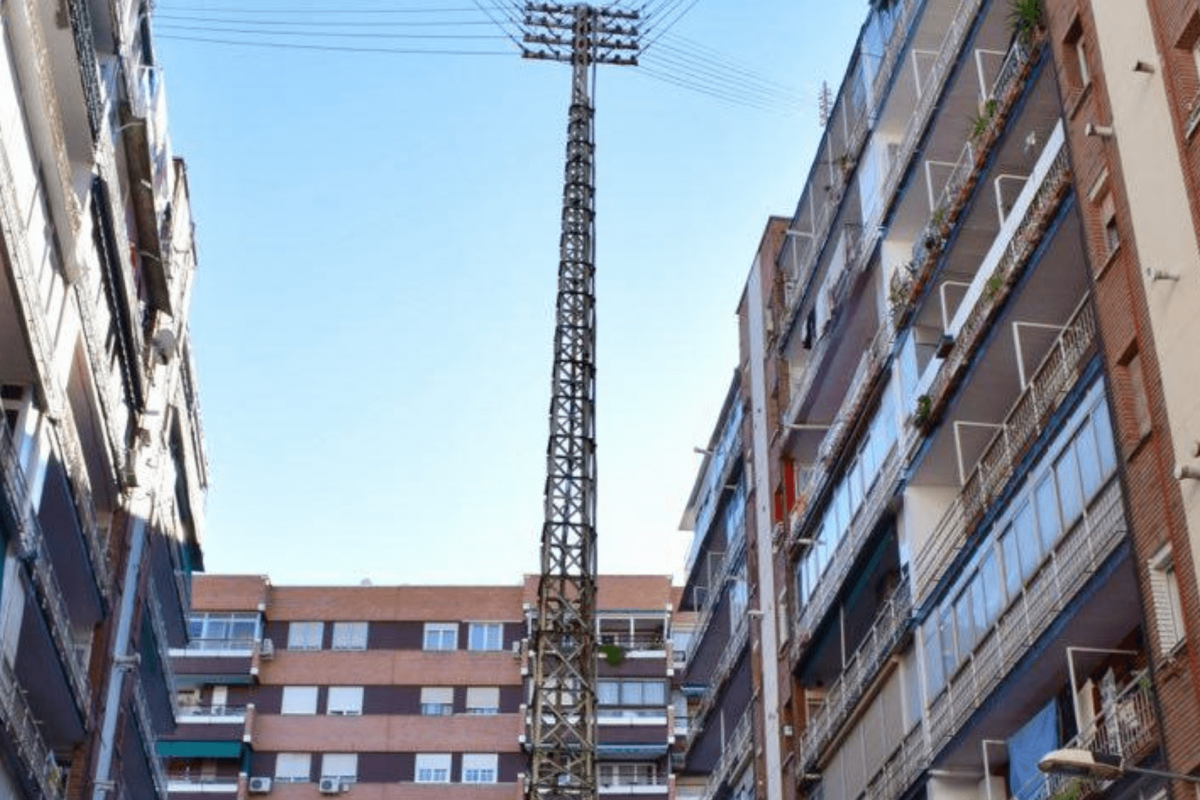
(122, 660)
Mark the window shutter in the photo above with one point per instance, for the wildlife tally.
(441, 695)
(483, 697)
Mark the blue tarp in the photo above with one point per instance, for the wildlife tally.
(1026, 747)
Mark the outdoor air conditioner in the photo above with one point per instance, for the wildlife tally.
(260, 784)
(330, 786)
(266, 650)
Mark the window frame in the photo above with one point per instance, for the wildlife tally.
(353, 708)
(341, 775)
(349, 635)
(300, 696)
(486, 629)
(435, 632)
(293, 776)
(301, 634)
(434, 765)
(485, 764)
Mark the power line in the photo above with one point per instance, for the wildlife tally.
(324, 23)
(335, 48)
(715, 92)
(212, 29)
(293, 10)
(715, 75)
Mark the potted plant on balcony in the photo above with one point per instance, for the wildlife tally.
(613, 654)
(1026, 19)
(920, 417)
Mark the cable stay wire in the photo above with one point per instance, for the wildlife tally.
(655, 17)
(323, 24)
(517, 40)
(715, 92)
(335, 48)
(716, 75)
(717, 58)
(668, 25)
(242, 10)
(311, 34)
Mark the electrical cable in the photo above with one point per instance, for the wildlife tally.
(335, 48)
(211, 29)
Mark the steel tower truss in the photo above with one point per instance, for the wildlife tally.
(563, 721)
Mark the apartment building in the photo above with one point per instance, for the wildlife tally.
(957, 445)
(102, 465)
(402, 691)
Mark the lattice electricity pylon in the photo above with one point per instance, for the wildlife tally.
(562, 738)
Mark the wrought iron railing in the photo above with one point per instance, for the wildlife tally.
(1026, 419)
(149, 740)
(733, 558)
(860, 670)
(1012, 262)
(733, 755)
(195, 713)
(34, 552)
(85, 50)
(818, 603)
(23, 731)
(902, 768)
(730, 654)
(162, 644)
(1073, 560)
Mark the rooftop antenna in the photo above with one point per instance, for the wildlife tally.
(825, 103)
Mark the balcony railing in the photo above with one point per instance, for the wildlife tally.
(733, 756)
(843, 557)
(33, 551)
(729, 658)
(1025, 421)
(1127, 728)
(210, 713)
(900, 770)
(733, 557)
(162, 644)
(1040, 208)
(149, 740)
(1074, 559)
(886, 631)
(637, 642)
(67, 437)
(891, 51)
(23, 731)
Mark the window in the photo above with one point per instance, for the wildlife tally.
(437, 701)
(433, 768)
(627, 774)
(631, 693)
(305, 635)
(222, 631)
(345, 700)
(299, 700)
(441, 636)
(343, 766)
(486, 636)
(1112, 235)
(479, 767)
(349, 636)
(292, 767)
(1168, 610)
(1085, 74)
(483, 700)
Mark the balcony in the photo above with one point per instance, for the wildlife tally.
(1010, 254)
(862, 385)
(23, 733)
(210, 714)
(145, 733)
(847, 551)
(734, 757)
(1020, 428)
(886, 632)
(907, 283)
(729, 659)
(147, 149)
(732, 559)
(1073, 560)
(898, 773)
(208, 786)
(33, 551)
(1127, 728)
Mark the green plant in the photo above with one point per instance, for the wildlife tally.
(981, 121)
(1025, 17)
(1074, 789)
(613, 654)
(992, 287)
(924, 406)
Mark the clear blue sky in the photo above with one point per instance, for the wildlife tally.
(373, 312)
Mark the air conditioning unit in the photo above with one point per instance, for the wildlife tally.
(259, 784)
(267, 649)
(330, 786)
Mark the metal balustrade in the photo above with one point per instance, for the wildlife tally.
(902, 768)
(729, 658)
(1026, 419)
(1041, 208)
(23, 732)
(733, 755)
(843, 557)
(732, 558)
(1074, 559)
(860, 670)
(162, 644)
(149, 740)
(46, 587)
